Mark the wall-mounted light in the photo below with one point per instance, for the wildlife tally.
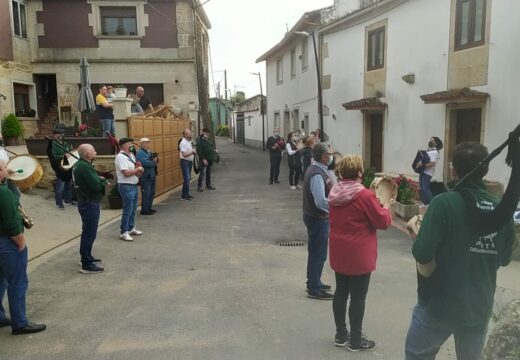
(409, 78)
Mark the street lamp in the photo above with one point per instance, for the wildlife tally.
(318, 73)
(261, 108)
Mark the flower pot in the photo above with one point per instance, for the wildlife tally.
(115, 202)
(405, 212)
(36, 146)
(11, 141)
(120, 92)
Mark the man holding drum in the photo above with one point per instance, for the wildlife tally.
(90, 188)
(13, 262)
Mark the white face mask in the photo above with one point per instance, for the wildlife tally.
(276, 134)
(330, 161)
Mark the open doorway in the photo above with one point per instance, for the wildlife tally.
(373, 144)
(47, 96)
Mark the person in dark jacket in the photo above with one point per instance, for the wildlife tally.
(206, 155)
(63, 185)
(90, 190)
(275, 144)
(148, 180)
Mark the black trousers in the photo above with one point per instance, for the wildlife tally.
(294, 175)
(357, 287)
(275, 160)
(204, 171)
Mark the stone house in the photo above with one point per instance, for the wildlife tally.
(159, 44)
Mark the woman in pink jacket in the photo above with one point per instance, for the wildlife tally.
(355, 215)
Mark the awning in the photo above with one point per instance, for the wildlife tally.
(371, 103)
(457, 96)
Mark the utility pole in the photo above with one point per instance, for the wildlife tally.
(225, 84)
(218, 103)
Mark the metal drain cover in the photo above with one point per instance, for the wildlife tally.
(291, 243)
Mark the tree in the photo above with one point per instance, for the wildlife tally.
(238, 97)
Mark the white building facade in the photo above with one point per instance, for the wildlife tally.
(250, 124)
(397, 72)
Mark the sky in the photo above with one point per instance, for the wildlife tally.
(243, 30)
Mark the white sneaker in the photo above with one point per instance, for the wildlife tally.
(134, 231)
(126, 237)
(300, 187)
(292, 187)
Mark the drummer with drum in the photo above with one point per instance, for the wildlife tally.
(63, 186)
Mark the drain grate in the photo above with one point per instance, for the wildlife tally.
(293, 243)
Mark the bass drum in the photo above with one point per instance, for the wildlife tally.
(27, 171)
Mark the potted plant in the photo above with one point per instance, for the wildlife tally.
(11, 129)
(114, 199)
(404, 205)
(120, 91)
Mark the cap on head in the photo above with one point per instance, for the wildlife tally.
(144, 140)
(125, 140)
(58, 131)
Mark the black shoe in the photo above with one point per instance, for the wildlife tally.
(322, 287)
(95, 260)
(211, 188)
(185, 198)
(276, 181)
(91, 269)
(322, 295)
(154, 211)
(145, 212)
(342, 338)
(5, 322)
(30, 328)
(71, 202)
(200, 189)
(191, 197)
(363, 345)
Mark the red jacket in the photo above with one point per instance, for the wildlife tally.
(355, 215)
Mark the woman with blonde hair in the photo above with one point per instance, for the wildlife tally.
(355, 215)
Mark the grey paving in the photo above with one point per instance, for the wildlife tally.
(207, 280)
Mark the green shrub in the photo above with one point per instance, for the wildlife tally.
(222, 130)
(369, 176)
(11, 126)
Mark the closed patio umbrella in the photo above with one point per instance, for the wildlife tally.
(86, 99)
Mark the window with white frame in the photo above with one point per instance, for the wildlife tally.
(293, 63)
(305, 54)
(279, 70)
(19, 19)
(118, 20)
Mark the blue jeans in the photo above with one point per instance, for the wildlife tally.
(186, 175)
(427, 334)
(148, 193)
(425, 191)
(89, 212)
(62, 191)
(13, 277)
(130, 197)
(107, 125)
(318, 231)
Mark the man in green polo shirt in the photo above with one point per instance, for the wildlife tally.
(90, 189)
(457, 298)
(13, 262)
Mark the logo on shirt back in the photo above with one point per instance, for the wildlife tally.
(485, 244)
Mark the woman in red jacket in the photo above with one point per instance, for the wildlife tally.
(355, 215)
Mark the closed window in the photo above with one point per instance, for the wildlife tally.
(276, 120)
(22, 100)
(470, 23)
(19, 20)
(118, 21)
(376, 49)
(279, 70)
(305, 54)
(293, 63)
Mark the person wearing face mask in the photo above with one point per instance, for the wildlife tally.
(316, 189)
(275, 144)
(90, 188)
(294, 161)
(425, 177)
(128, 171)
(355, 215)
(207, 156)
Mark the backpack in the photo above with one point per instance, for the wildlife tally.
(423, 157)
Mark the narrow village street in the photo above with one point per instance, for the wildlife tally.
(208, 280)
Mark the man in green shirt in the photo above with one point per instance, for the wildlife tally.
(207, 156)
(13, 262)
(90, 190)
(457, 298)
